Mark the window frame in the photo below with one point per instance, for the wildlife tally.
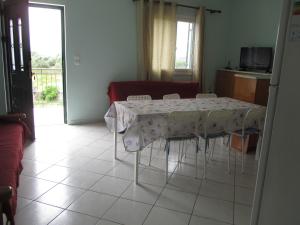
(188, 19)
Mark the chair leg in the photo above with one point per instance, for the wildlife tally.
(179, 151)
(182, 150)
(136, 169)
(213, 149)
(196, 158)
(150, 158)
(205, 150)
(243, 152)
(167, 149)
(229, 151)
(185, 152)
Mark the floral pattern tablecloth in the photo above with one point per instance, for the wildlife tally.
(146, 121)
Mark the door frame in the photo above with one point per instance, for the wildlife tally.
(7, 82)
(63, 46)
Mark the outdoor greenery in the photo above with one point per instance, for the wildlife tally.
(180, 64)
(39, 61)
(50, 94)
(47, 79)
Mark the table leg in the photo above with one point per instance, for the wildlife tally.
(136, 167)
(115, 139)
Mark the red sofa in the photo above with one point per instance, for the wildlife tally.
(119, 91)
(12, 139)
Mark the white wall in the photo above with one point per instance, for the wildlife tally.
(252, 24)
(103, 34)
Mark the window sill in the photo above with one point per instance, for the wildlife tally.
(181, 72)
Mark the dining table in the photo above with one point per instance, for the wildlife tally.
(144, 121)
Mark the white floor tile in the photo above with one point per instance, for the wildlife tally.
(142, 193)
(55, 173)
(124, 171)
(91, 151)
(242, 214)
(214, 208)
(99, 166)
(93, 204)
(81, 157)
(244, 195)
(184, 183)
(82, 179)
(177, 200)
(152, 177)
(31, 188)
(195, 220)
(32, 168)
(220, 176)
(189, 170)
(37, 214)
(73, 218)
(105, 222)
(22, 203)
(245, 180)
(217, 190)
(160, 216)
(61, 196)
(111, 185)
(128, 212)
(75, 162)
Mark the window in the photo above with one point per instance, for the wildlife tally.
(184, 45)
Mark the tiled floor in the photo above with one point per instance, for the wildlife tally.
(71, 178)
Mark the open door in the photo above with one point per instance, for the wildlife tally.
(16, 43)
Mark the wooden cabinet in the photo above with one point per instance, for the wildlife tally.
(248, 87)
(244, 86)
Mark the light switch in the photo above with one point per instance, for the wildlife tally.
(77, 60)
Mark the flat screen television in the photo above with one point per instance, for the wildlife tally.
(256, 59)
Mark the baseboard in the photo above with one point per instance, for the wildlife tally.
(84, 121)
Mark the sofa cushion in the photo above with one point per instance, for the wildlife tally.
(11, 154)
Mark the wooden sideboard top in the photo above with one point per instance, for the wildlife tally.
(250, 75)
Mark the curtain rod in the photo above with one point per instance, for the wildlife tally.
(191, 7)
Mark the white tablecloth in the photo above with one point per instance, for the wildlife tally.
(146, 121)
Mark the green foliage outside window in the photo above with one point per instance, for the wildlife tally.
(50, 94)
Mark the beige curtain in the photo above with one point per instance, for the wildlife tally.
(156, 40)
(199, 48)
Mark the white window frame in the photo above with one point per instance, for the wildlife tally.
(187, 19)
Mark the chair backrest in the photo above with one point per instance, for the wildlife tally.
(206, 95)
(184, 123)
(138, 97)
(255, 118)
(218, 121)
(172, 96)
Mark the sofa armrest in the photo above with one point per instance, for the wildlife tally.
(13, 117)
(5, 194)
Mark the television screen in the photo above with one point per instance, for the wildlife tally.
(256, 59)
